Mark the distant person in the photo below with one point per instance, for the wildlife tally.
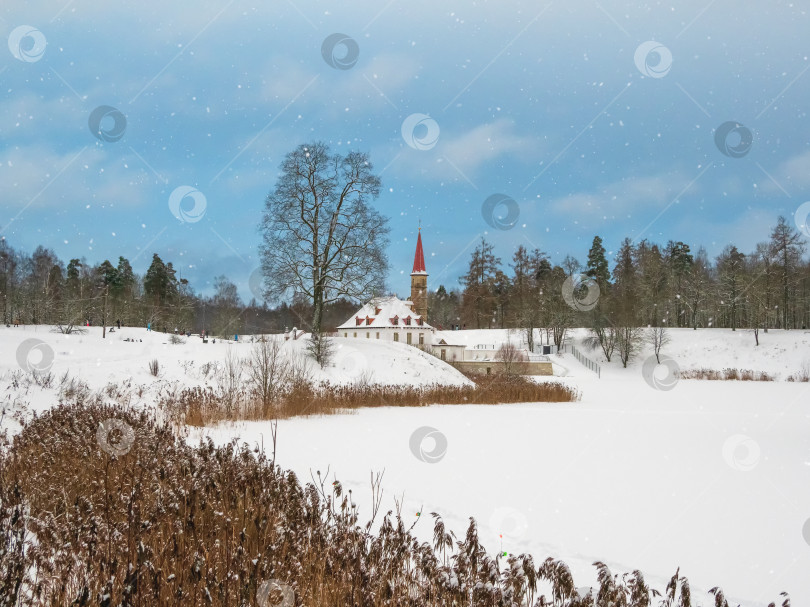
(118, 322)
(149, 326)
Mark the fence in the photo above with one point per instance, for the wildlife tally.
(584, 360)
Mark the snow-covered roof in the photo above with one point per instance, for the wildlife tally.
(386, 313)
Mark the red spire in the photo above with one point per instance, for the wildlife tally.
(419, 258)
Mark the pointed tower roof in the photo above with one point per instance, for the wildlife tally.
(419, 258)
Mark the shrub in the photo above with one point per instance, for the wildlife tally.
(729, 374)
(154, 367)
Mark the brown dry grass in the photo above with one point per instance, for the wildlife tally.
(200, 407)
(169, 524)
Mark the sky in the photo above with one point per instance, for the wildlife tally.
(133, 128)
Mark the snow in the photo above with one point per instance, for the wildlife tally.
(100, 362)
(710, 476)
(389, 308)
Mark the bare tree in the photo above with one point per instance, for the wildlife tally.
(513, 359)
(628, 342)
(605, 336)
(321, 237)
(267, 372)
(786, 248)
(657, 337)
(230, 380)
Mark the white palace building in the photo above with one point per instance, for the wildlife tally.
(393, 319)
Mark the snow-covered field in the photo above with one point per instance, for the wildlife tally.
(712, 477)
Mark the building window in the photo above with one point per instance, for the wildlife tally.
(421, 339)
(355, 334)
(396, 336)
(368, 335)
(444, 354)
(378, 335)
(407, 320)
(489, 370)
(409, 338)
(345, 334)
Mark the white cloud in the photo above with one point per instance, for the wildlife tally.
(626, 196)
(462, 156)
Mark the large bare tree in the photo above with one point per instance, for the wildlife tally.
(322, 238)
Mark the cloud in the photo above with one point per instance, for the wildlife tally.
(462, 156)
(791, 176)
(626, 196)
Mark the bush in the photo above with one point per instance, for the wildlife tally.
(729, 374)
(154, 367)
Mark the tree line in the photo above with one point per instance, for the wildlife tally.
(650, 285)
(40, 288)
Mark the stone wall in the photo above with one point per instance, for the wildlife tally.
(524, 368)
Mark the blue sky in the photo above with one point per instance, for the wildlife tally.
(544, 102)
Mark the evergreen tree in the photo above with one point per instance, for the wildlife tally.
(597, 266)
(160, 284)
(680, 261)
(624, 292)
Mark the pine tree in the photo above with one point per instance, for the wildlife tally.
(160, 284)
(680, 261)
(624, 292)
(597, 266)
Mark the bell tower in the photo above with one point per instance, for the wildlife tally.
(419, 280)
